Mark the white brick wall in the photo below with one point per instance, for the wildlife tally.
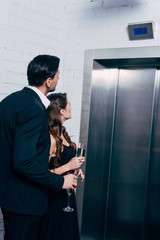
(28, 28)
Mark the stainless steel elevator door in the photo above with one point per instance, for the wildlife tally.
(130, 154)
(98, 149)
(152, 213)
(120, 156)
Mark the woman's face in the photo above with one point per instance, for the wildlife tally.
(67, 111)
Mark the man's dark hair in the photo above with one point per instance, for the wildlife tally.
(41, 68)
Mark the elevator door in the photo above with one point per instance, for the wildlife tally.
(121, 195)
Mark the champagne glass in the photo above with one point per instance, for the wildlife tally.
(69, 193)
(81, 149)
(68, 208)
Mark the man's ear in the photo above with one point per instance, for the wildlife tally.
(48, 82)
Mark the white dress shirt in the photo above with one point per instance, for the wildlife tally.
(43, 98)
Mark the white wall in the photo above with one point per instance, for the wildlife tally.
(28, 28)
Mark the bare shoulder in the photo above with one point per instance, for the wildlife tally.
(53, 141)
(53, 146)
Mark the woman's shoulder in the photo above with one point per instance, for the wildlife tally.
(53, 140)
(53, 145)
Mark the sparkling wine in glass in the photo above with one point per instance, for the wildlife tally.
(68, 208)
(81, 149)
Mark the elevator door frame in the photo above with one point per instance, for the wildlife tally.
(110, 58)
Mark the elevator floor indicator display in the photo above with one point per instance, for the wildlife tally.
(140, 31)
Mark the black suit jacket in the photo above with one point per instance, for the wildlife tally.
(24, 154)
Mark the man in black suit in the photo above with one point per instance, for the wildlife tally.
(24, 153)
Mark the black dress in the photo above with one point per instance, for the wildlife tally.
(57, 224)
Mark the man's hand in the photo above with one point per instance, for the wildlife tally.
(70, 181)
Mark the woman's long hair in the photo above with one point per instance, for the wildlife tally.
(58, 101)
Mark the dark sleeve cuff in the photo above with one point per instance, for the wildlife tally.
(57, 181)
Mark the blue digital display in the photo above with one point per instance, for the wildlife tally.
(140, 31)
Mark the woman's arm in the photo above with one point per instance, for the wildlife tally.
(52, 151)
(74, 163)
(62, 169)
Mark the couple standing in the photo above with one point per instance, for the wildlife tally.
(25, 178)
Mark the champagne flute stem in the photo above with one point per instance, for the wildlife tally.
(68, 201)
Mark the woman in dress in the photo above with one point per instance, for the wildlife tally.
(58, 224)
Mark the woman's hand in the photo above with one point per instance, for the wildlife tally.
(75, 162)
(79, 173)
